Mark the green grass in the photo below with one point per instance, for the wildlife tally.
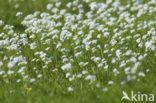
(51, 88)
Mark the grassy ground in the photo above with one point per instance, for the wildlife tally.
(51, 87)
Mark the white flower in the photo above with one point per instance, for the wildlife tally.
(67, 75)
(66, 66)
(58, 4)
(113, 60)
(141, 74)
(19, 80)
(128, 52)
(92, 78)
(72, 78)
(25, 77)
(133, 59)
(147, 70)
(84, 72)
(110, 82)
(55, 69)
(82, 64)
(148, 44)
(106, 67)
(135, 67)
(100, 65)
(141, 57)
(105, 89)
(116, 72)
(78, 54)
(65, 60)
(98, 85)
(11, 64)
(32, 80)
(129, 78)
(1, 23)
(79, 75)
(49, 6)
(21, 69)
(118, 53)
(39, 75)
(19, 14)
(33, 46)
(70, 89)
(16, 6)
(32, 36)
(1, 72)
(10, 72)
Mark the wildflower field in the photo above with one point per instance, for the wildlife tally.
(77, 51)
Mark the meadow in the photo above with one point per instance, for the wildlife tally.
(77, 51)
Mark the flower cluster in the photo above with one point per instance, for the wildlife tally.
(84, 41)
